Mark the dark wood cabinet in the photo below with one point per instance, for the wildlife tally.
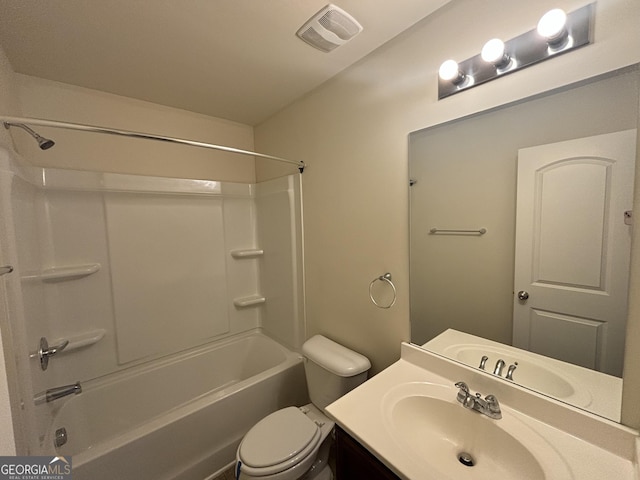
(354, 462)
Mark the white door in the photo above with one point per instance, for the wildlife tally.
(572, 249)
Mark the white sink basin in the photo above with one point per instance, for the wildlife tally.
(456, 442)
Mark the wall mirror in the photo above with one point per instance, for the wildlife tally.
(467, 207)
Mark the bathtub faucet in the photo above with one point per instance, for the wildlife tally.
(58, 392)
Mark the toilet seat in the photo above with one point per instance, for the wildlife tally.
(278, 442)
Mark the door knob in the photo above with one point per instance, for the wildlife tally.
(522, 295)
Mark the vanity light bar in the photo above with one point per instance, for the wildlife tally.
(557, 33)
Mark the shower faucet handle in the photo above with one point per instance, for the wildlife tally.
(45, 351)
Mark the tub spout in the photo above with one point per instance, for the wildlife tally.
(58, 392)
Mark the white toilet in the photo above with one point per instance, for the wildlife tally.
(293, 443)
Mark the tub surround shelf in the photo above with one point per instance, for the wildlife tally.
(86, 339)
(247, 253)
(251, 301)
(76, 342)
(56, 274)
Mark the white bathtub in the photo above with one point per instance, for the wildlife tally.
(180, 418)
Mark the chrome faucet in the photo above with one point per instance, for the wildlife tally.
(58, 392)
(488, 406)
(483, 362)
(499, 366)
(510, 371)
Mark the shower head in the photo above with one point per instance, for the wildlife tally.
(43, 143)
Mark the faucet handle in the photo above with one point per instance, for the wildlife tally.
(45, 351)
(462, 386)
(494, 406)
(463, 394)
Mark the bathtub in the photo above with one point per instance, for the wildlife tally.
(179, 418)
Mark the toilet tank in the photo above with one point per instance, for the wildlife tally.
(331, 370)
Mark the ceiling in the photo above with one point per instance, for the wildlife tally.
(233, 59)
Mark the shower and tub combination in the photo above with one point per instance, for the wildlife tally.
(152, 321)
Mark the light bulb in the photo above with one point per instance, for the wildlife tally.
(552, 25)
(494, 52)
(450, 71)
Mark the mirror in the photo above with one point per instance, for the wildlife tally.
(464, 176)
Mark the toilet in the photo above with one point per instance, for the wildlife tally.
(293, 443)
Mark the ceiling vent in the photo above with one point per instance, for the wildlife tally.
(329, 28)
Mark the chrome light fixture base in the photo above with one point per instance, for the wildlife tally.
(524, 50)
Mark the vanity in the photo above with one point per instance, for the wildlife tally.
(411, 421)
(355, 462)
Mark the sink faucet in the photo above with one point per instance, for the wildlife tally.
(488, 406)
(499, 366)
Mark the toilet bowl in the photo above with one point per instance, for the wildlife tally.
(293, 443)
(285, 445)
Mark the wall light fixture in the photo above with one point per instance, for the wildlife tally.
(557, 32)
(450, 71)
(553, 27)
(494, 52)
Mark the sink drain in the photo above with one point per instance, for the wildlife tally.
(466, 459)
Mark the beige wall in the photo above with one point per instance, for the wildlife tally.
(352, 132)
(88, 151)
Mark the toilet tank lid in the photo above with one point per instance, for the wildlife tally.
(334, 357)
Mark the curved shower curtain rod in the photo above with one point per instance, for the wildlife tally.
(148, 136)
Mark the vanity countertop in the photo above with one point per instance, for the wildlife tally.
(580, 445)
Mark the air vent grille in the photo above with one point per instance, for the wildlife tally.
(314, 38)
(329, 28)
(334, 21)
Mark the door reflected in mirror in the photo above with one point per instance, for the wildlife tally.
(573, 249)
(464, 176)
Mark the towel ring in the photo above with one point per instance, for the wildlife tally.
(383, 278)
